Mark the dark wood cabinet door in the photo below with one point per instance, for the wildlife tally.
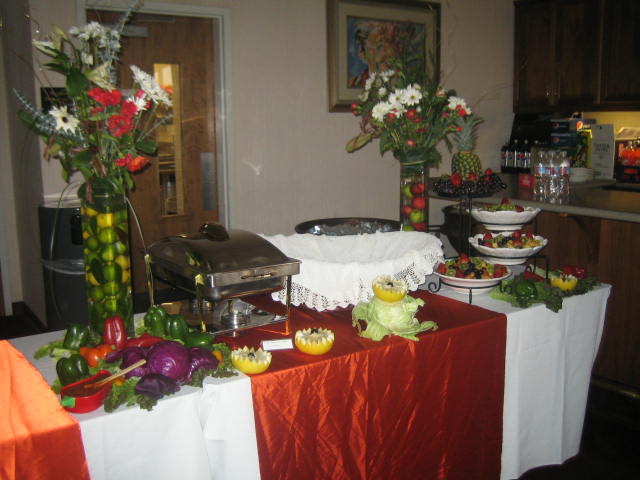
(576, 53)
(620, 54)
(533, 57)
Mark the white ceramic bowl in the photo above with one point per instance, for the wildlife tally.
(504, 220)
(506, 256)
(463, 285)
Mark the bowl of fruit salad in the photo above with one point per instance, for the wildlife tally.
(503, 216)
(508, 248)
(471, 273)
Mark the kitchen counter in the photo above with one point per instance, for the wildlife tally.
(589, 199)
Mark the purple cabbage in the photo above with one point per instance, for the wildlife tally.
(156, 386)
(129, 356)
(200, 358)
(169, 358)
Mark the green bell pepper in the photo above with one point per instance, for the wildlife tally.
(76, 336)
(155, 321)
(71, 369)
(198, 339)
(177, 327)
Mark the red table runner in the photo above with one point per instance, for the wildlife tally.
(395, 409)
(38, 438)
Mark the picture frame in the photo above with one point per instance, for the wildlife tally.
(361, 33)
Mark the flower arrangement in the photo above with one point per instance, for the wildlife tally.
(95, 128)
(409, 112)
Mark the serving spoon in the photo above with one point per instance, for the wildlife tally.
(115, 375)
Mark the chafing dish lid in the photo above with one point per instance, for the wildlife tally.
(214, 249)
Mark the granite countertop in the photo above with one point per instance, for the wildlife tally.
(590, 199)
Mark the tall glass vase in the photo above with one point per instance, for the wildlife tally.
(414, 200)
(105, 233)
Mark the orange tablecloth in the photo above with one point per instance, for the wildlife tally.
(393, 409)
(38, 438)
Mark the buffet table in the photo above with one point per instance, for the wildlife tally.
(372, 409)
(549, 357)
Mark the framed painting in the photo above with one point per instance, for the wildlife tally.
(362, 34)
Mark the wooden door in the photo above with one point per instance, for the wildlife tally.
(533, 57)
(576, 55)
(187, 43)
(621, 61)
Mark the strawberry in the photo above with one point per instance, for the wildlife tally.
(472, 177)
(517, 244)
(519, 208)
(459, 274)
(517, 234)
(456, 179)
(488, 172)
(442, 268)
(487, 236)
(504, 201)
(529, 235)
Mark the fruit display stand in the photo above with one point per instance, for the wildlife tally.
(454, 187)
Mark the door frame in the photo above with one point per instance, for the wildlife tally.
(222, 76)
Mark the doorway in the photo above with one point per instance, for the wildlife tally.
(185, 186)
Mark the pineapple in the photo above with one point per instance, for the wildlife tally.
(465, 161)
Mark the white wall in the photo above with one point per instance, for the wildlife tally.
(289, 163)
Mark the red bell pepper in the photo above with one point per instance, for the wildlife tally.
(574, 270)
(144, 340)
(115, 333)
(532, 276)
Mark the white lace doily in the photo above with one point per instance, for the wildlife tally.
(337, 271)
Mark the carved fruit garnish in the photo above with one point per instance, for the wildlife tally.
(248, 360)
(314, 341)
(389, 289)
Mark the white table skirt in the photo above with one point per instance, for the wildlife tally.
(211, 433)
(549, 358)
(195, 434)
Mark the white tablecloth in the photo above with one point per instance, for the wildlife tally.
(549, 358)
(195, 434)
(211, 434)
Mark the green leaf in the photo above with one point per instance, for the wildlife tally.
(77, 83)
(56, 67)
(81, 159)
(146, 146)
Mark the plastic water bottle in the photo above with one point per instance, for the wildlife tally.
(539, 174)
(563, 173)
(553, 192)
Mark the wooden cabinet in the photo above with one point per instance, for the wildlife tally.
(606, 248)
(573, 55)
(556, 67)
(620, 59)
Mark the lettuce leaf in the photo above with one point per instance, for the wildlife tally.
(384, 319)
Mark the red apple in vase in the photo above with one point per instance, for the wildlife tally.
(419, 203)
(420, 227)
(456, 179)
(406, 210)
(418, 188)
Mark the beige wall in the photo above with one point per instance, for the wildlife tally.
(288, 159)
(289, 163)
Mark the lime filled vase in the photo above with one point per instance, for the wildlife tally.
(107, 261)
(414, 199)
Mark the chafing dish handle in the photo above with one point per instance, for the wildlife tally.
(258, 276)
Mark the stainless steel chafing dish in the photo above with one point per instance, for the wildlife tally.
(216, 264)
